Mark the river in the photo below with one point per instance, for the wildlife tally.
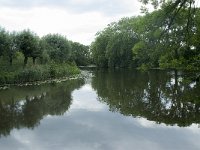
(105, 110)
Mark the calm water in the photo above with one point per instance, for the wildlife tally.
(107, 110)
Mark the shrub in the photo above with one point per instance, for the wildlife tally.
(38, 73)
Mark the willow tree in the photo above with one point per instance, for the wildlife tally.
(2, 40)
(172, 9)
(28, 43)
(80, 54)
(59, 48)
(113, 45)
(180, 28)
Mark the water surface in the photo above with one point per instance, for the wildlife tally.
(108, 110)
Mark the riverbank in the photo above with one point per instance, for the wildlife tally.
(34, 73)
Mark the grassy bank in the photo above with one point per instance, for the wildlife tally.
(16, 74)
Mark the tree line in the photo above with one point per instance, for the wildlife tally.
(153, 40)
(51, 47)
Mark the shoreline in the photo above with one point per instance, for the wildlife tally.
(48, 81)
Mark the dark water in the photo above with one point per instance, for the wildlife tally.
(108, 110)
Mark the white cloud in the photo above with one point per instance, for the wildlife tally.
(78, 20)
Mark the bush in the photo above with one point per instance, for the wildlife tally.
(38, 73)
(144, 67)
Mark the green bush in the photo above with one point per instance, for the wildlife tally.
(38, 73)
(144, 67)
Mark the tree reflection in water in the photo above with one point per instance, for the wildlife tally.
(160, 96)
(26, 106)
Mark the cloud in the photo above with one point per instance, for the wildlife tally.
(78, 20)
(111, 7)
(76, 27)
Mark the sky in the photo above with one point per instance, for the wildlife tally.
(78, 20)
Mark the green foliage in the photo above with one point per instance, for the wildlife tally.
(3, 40)
(10, 48)
(60, 70)
(53, 54)
(38, 73)
(140, 54)
(150, 41)
(144, 67)
(58, 47)
(172, 6)
(80, 54)
(28, 43)
(98, 49)
(112, 46)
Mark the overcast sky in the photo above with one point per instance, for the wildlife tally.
(78, 20)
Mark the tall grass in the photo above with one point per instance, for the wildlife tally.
(16, 74)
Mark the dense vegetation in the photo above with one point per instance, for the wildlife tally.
(52, 56)
(155, 40)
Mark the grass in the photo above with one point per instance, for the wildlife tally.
(16, 74)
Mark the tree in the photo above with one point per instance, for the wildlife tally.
(121, 41)
(98, 49)
(171, 48)
(3, 37)
(113, 46)
(174, 5)
(150, 41)
(37, 52)
(43, 49)
(172, 9)
(28, 43)
(80, 54)
(59, 48)
(8, 46)
(11, 47)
